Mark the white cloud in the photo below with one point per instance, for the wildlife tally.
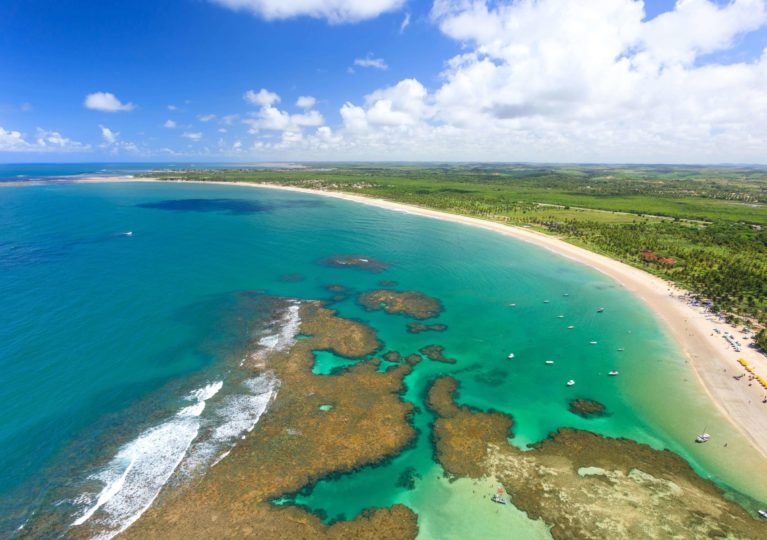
(12, 141)
(55, 141)
(109, 136)
(705, 27)
(170, 124)
(271, 118)
(192, 135)
(370, 62)
(172, 108)
(263, 97)
(405, 23)
(404, 104)
(114, 145)
(206, 117)
(560, 80)
(44, 141)
(106, 102)
(306, 102)
(334, 11)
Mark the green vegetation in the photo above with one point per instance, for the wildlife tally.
(761, 339)
(704, 228)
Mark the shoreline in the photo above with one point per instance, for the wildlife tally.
(713, 361)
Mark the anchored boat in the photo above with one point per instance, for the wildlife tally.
(703, 437)
(498, 497)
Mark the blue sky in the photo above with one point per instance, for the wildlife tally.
(546, 80)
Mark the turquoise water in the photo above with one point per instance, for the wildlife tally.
(19, 172)
(105, 337)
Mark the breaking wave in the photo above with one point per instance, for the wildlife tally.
(196, 438)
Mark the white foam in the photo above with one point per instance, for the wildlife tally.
(206, 392)
(192, 410)
(134, 477)
(139, 470)
(235, 415)
(289, 326)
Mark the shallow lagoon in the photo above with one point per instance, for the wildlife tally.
(103, 333)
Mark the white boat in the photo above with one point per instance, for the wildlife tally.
(512, 305)
(570, 327)
(593, 342)
(762, 513)
(620, 349)
(498, 499)
(128, 233)
(600, 310)
(511, 355)
(703, 437)
(549, 362)
(545, 301)
(570, 382)
(560, 316)
(613, 373)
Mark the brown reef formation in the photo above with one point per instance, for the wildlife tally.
(410, 303)
(336, 288)
(417, 328)
(297, 443)
(392, 356)
(355, 261)
(413, 359)
(434, 352)
(583, 485)
(587, 408)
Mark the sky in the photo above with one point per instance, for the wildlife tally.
(610, 81)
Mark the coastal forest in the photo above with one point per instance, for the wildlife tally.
(703, 228)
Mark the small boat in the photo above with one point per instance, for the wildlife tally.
(570, 327)
(620, 349)
(549, 362)
(703, 437)
(498, 497)
(566, 294)
(593, 342)
(560, 316)
(545, 301)
(600, 310)
(762, 513)
(512, 305)
(128, 233)
(613, 373)
(511, 355)
(570, 382)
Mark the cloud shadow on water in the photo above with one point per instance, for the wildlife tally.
(228, 206)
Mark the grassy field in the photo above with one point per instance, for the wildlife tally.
(704, 228)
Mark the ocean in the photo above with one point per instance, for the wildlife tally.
(128, 308)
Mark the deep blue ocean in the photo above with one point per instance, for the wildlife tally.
(126, 309)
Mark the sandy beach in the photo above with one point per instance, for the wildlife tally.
(713, 360)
